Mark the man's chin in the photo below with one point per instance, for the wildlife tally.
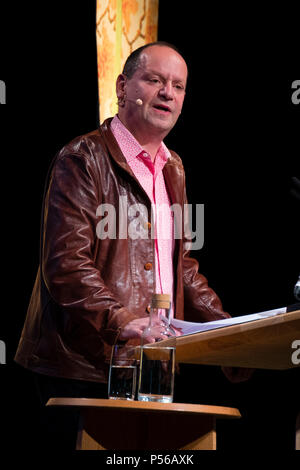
(162, 124)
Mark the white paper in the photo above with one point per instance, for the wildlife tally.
(188, 328)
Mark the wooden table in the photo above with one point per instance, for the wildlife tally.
(134, 425)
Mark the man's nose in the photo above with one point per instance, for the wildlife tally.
(167, 91)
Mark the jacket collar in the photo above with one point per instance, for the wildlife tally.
(113, 147)
(173, 170)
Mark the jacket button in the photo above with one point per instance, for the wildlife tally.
(148, 266)
(148, 308)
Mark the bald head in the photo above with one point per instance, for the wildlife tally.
(133, 60)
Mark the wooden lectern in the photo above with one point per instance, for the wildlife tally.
(261, 344)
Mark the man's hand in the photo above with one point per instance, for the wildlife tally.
(135, 329)
(237, 374)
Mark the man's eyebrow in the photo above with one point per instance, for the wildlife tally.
(155, 72)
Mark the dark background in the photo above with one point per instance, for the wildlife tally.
(238, 137)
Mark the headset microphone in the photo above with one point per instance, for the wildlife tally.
(121, 102)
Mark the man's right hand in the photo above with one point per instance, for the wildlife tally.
(135, 329)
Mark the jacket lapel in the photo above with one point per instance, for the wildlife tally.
(174, 178)
(113, 147)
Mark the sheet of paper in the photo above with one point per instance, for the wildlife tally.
(189, 328)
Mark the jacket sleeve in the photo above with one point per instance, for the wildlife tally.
(90, 312)
(201, 303)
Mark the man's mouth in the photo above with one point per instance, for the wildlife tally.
(162, 108)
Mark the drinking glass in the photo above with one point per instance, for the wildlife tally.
(122, 373)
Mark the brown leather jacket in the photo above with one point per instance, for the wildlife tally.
(87, 289)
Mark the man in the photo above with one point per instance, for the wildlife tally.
(92, 290)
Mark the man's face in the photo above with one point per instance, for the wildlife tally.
(159, 82)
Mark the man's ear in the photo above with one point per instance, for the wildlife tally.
(121, 89)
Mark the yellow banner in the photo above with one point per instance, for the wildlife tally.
(121, 27)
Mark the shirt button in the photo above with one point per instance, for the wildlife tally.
(148, 266)
(145, 154)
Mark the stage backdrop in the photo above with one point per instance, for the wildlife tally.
(121, 27)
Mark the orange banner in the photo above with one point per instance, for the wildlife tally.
(121, 27)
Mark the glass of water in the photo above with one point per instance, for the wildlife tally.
(157, 370)
(122, 373)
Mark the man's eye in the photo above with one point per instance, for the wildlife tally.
(154, 80)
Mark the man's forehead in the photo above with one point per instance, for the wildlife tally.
(159, 54)
(153, 59)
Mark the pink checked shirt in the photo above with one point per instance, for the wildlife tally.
(151, 179)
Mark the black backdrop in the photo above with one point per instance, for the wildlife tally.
(237, 136)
